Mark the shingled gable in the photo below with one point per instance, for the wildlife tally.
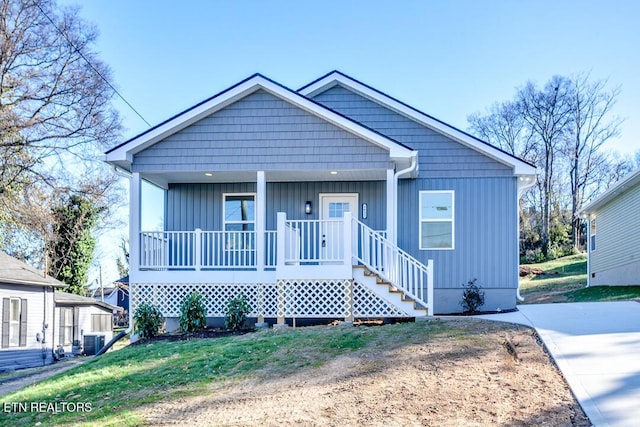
(520, 167)
(122, 155)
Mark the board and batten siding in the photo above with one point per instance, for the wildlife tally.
(191, 206)
(261, 132)
(440, 157)
(617, 239)
(486, 239)
(34, 353)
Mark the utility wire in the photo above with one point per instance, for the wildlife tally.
(90, 64)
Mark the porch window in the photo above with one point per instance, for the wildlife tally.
(101, 322)
(592, 234)
(239, 218)
(437, 218)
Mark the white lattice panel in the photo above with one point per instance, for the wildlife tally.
(368, 304)
(315, 298)
(167, 297)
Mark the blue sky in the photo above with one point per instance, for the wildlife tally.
(446, 58)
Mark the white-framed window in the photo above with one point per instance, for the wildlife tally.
(66, 318)
(101, 322)
(14, 322)
(437, 220)
(592, 234)
(239, 214)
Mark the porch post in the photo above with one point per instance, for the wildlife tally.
(134, 239)
(347, 237)
(391, 209)
(261, 217)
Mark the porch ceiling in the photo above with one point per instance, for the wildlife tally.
(162, 179)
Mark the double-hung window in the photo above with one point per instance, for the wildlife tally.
(66, 319)
(14, 322)
(437, 220)
(239, 221)
(592, 234)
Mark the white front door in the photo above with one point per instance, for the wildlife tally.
(332, 207)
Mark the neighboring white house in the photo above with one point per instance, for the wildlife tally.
(613, 230)
(79, 317)
(26, 310)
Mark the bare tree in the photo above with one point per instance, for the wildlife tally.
(55, 111)
(546, 111)
(590, 127)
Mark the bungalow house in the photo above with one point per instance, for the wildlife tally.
(27, 315)
(335, 200)
(613, 230)
(81, 321)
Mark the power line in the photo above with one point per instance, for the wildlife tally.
(90, 64)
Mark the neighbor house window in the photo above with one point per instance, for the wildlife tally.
(14, 322)
(240, 216)
(66, 325)
(592, 234)
(101, 322)
(437, 218)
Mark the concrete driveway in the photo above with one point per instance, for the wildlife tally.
(597, 348)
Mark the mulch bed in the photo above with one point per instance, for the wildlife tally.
(180, 336)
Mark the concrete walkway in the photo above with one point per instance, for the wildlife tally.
(35, 375)
(597, 348)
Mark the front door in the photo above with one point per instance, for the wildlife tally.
(333, 207)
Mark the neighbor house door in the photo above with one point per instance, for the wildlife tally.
(333, 207)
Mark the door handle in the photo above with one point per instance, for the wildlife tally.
(324, 240)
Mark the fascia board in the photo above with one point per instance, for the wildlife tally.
(332, 79)
(126, 151)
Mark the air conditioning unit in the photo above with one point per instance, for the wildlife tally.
(93, 344)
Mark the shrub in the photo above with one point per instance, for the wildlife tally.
(236, 314)
(472, 297)
(193, 314)
(148, 320)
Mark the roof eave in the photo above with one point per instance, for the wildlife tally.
(611, 193)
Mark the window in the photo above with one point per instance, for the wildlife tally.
(14, 322)
(101, 322)
(592, 234)
(437, 231)
(66, 325)
(240, 216)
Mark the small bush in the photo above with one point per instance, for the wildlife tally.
(236, 314)
(148, 320)
(193, 314)
(472, 297)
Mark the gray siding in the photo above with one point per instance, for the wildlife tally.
(34, 353)
(486, 231)
(261, 132)
(193, 206)
(617, 235)
(439, 156)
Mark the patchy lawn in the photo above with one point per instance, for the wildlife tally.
(565, 280)
(439, 372)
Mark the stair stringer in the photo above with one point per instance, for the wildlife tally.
(383, 290)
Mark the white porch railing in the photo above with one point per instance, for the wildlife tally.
(314, 242)
(393, 264)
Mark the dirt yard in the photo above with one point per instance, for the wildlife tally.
(492, 374)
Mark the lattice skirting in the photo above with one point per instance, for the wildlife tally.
(286, 298)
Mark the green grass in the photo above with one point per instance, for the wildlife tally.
(565, 279)
(119, 382)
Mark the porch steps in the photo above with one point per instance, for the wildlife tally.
(388, 292)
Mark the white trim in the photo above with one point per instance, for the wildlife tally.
(519, 167)
(123, 155)
(452, 220)
(261, 219)
(391, 206)
(224, 213)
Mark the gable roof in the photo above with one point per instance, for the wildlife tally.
(16, 272)
(520, 167)
(65, 298)
(618, 188)
(122, 155)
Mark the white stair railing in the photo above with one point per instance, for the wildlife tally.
(393, 264)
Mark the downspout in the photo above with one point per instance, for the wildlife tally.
(521, 189)
(413, 166)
